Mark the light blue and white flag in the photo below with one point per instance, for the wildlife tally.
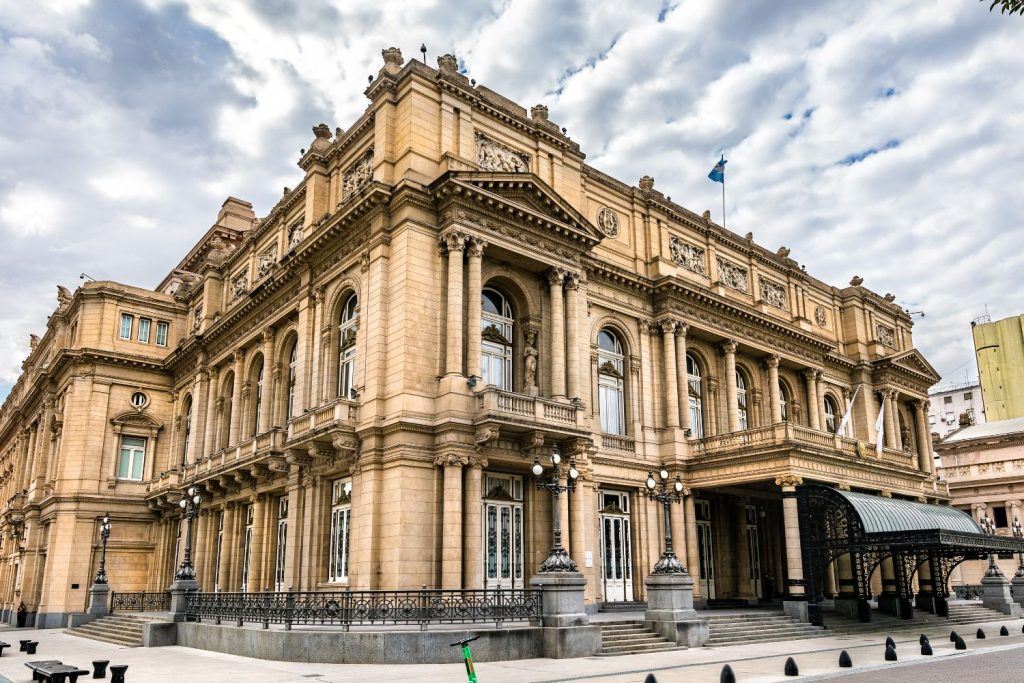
(880, 429)
(841, 429)
(718, 172)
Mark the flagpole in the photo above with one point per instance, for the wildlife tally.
(723, 198)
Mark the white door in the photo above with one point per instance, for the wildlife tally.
(754, 551)
(618, 561)
(705, 549)
(503, 545)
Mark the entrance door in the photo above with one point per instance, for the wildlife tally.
(616, 547)
(503, 532)
(705, 549)
(754, 551)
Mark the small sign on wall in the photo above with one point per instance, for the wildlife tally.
(588, 558)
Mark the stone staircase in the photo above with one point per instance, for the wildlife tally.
(758, 627)
(632, 638)
(959, 614)
(118, 629)
(615, 607)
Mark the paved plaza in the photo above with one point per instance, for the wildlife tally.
(999, 656)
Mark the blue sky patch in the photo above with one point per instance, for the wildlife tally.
(857, 157)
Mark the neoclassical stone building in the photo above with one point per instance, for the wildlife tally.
(359, 381)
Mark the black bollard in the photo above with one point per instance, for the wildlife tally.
(727, 675)
(889, 642)
(1004, 631)
(960, 644)
(117, 673)
(953, 635)
(791, 669)
(844, 660)
(650, 679)
(890, 653)
(923, 639)
(926, 648)
(99, 668)
(980, 634)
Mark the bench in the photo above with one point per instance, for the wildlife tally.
(30, 647)
(39, 663)
(2, 646)
(24, 644)
(55, 672)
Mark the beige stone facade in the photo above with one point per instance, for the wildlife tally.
(360, 381)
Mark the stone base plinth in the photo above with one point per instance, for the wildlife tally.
(670, 610)
(99, 599)
(562, 598)
(179, 589)
(995, 594)
(853, 608)
(1017, 584)
(798, 609)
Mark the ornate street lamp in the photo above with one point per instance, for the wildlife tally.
(558, 560)
(665, 492)
(1018, 533)
(988, 525)
(101, 573)
(189, 508)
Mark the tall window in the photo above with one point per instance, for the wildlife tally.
(132, 458)
(611, 401)
(496, 345)
(347, 349)
(291, 380)
(225, 416)
(830, 414)
(126, 325)
(258, 399)
(246, 549)
(784, 401)
(217, 551)
(741, 399)
(282, 542)
(341, 519)
(144, 326)
(161, 333)
(186, 427)
(693, 388)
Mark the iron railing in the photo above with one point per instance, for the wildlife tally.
(140, 602)
(968, 591)
(347, 608)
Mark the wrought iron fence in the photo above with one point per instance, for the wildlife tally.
(968, 591)
(140, 602)
(345, 608)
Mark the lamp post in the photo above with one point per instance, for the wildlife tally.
(190, 508)
(1018, 533)
(558, 560)
(101, 573)
(988, 525)
(666, 493)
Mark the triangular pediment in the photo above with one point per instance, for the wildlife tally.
(913, 361)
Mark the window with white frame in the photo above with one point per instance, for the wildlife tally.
(247, 548)
(693, 389)
(784, 401)
(127, 322)
(611, 395)
(341, 522)
(741, 399)
(161, 333)
(217, 551)
(144, 326)
(131, 459)
(347, 348)
(282, 542)
(258, 400)
(496, 340)
(831, 410)
(292, 365)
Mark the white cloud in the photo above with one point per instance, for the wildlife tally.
(29, 211)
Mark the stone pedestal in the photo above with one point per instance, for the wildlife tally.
(567, 628)
(99, 599)
(1017, 585)
(798, 609)
(853, 608)
(995, 594)
(670, 609)
(179, 589)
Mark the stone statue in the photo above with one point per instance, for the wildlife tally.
(857, 281)
(530, 363)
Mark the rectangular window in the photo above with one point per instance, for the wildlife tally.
(161, 333)
(144, 325)
(132, 458)
(341, 520)
(126, 325)
(999, 514)
(967, 396)
(947, 399)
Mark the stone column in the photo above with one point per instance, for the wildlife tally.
(572, 342)
(200, 397)
(683, 388)
(890, 419)
(226, 548)
(451, 520)
(813, 409)
(472, 525)
(474, 290)
(742, 552)
(925, 462)
(795, 602)
(254, 582)
(822, 421)
(846, 603)
(888, 601)
(453, 244)
(555, 277)
(576, 541)
(668, 339)
(731, 401)
(926, 591)
(209, 435)
(269, 376)
(199, 545)
(234, 428)
(692, 560)
(774, 400)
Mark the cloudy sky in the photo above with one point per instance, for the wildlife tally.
(884, 139)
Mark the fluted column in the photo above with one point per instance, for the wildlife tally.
(269, 376)
(572, 340)
(234, 427)
(690, 520)
(732, 405)
(451, 520)
(453, 244)
(226, 547)
(472, 529)
(474, 289)
(210, 435)
(774, 401)
(555, 277)
(925, 461)
(890, 418)
(791, 525)
(897, 434)
(682, 387)
(813, 409)
(668, 341)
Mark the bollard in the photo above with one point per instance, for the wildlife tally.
(844, 660)
(923, 639)
(1004, 631)
(889, 642)
(960, 644)
(727, 675)
(926, 648)
(980, 634)
(791, 668)
(650, 679)
(99, 668)
(890, 653)
(117, 673)
(24, 644)
(953, 635)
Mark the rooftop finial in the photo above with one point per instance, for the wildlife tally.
(392, 59)
(857, 281)
(423, 49)
(647, 183)
(448, 63)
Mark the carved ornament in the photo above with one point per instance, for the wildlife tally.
(819, 316)
(789, 480)
(687, 255)
(732, 275)
(774, 293)
(358, 174)
(885, 335)
(492, 155)
(607, 222)
(267, 260)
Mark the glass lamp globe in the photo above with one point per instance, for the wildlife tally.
(555, 457)
(537, 469)
(182, 503)
(650, 481)
(573, 472)
(196, 499)
(663, 473)
(679, 486)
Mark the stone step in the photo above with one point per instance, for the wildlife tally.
(755, 639)
(112, 630)
(631, 640)
(750, 624)
(782, 628)
(126, 642)
(622, 629)
(639, 649)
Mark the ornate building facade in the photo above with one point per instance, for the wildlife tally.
(360, 381)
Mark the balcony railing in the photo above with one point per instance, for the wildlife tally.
(251, 449)
(520, 407)
(339, 411)
(140, 602)
(618, 444)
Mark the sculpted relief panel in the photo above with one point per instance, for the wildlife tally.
(774, 294)
(491, 155)
(732, 275)
(607, 222)
(239, 284)
(687, 255)
(358, 175)
(886, 335)
(267, 260)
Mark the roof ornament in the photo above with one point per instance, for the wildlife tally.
(783, 252)
(33, 342)
(889, 297)
(392, 59)
(63, 296)
(448, 64)
(647, 183)
(857, 281)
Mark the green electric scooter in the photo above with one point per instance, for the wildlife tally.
(467, 657)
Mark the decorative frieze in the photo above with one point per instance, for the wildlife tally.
(197, 317)
(687, 255)
(819, 316)
(774, 293)
(885, 335)
(732, 275)
(491, 155)
(607, 222)
(239, 284)
(295, 234)
(358, 174)
(267, 260)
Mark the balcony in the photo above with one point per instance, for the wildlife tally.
(339, 415)
(521, 413)
(248, 452)
(618, 444)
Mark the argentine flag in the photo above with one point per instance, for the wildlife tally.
(718, 172)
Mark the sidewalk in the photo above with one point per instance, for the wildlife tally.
(754, 663)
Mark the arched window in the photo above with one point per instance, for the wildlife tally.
(611, 397)
(496, 339)
(831, 411)
(186, 427)
(292, 374)
(693, 388)
(741, 398)
(347, 349)
(784, 401)
(257, 397)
